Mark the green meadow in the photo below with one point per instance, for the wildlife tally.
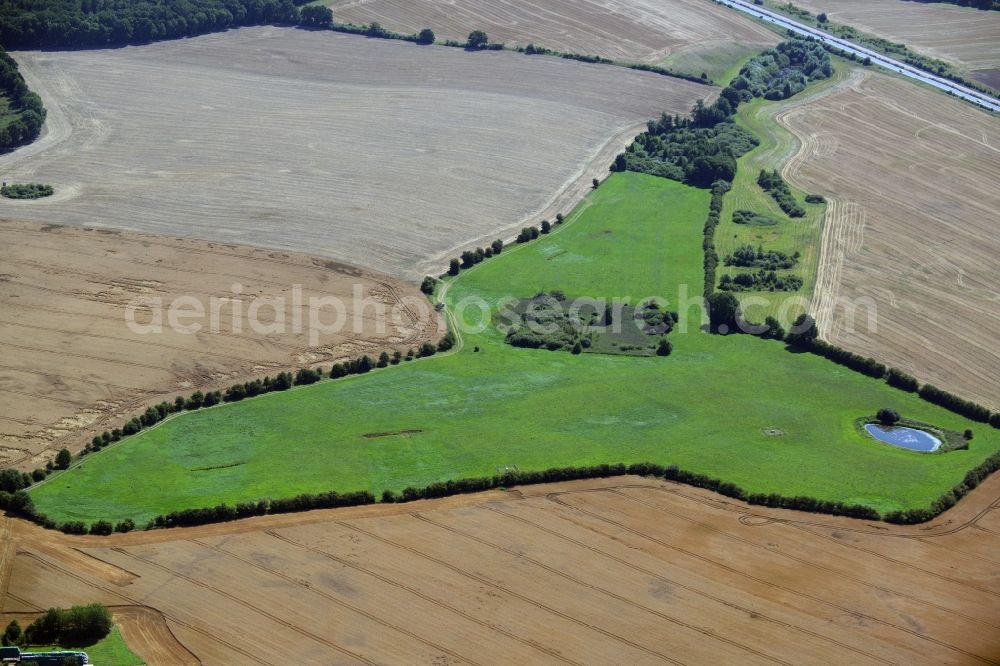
(469, 413)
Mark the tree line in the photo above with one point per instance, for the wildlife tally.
(703, 148)
(79, 625)
(25, 106)
(772, 183)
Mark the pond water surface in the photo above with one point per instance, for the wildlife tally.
(905, 438)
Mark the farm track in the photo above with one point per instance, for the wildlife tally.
(528, 571)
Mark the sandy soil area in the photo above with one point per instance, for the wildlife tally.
(634, 30)
(601, 571)
(967, 37)
(72, 366)
(910, 233)
(322, 142)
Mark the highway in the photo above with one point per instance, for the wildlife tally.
(974, 96)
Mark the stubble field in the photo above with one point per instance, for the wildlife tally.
(72, 365)
(910, 229)
(967, 37)
(375, 152)
(623, 570)
(633, 30)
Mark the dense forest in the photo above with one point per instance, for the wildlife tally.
(25, 117)
(703, 149)
(96, 23)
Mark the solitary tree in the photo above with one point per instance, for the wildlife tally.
(426, 36)
(724, 312)
(664, 347)
(822, 18)
(803, 331)
(477, 40)
(318, 16)
(12, 634)
(63, 459)
(887, 416)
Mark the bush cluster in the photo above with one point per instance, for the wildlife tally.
(748, 256)
(79, 625)
(26, 191)
(762, 280)
(772, 183)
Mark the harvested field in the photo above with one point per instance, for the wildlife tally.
(623, 570)
(967, 37)
(72, 366)
(911, 178)
(633, 30)
(362, 150)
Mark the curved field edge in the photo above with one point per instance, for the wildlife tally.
(705, 408)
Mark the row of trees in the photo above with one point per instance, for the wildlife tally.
(748, 256)
(29, 116)
(468, 259)
(224, 512)
(762, 280)
(711, 260)
(972, 479)
(703, 149)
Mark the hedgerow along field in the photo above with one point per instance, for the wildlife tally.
(471, 413)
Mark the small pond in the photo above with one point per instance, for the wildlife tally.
(905, 438)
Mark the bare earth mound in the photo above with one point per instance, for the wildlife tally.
(968, 37)
(366, 151)
(625, 570)
(71, 364)
(635, 30)
(912, 177)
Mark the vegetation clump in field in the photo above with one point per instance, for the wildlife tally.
(772, 183)
(77, 626)
(550, 321)
(748, 256)
(762, 280)
(26, 191)
(751, 218)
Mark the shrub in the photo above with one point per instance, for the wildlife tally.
(383, 360)
(477, 40)
(815, 198)
(63, 459)
(446, 342)
(901, 380)
(426, 36)
(426, 349)
(663, 348)
(952, 402)
(546, 227)
(968, 434)
(803, 331)
(887, 416)
(126, 525)
(102, 528)
(427, 286)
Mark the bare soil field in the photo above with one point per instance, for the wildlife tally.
(910, 230)
(967, 37)
(624, 570)
(633, 30)
(366, 151)
(71, 364)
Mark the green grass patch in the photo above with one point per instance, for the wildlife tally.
(780, 232)
(109, 651)
(707, 407)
